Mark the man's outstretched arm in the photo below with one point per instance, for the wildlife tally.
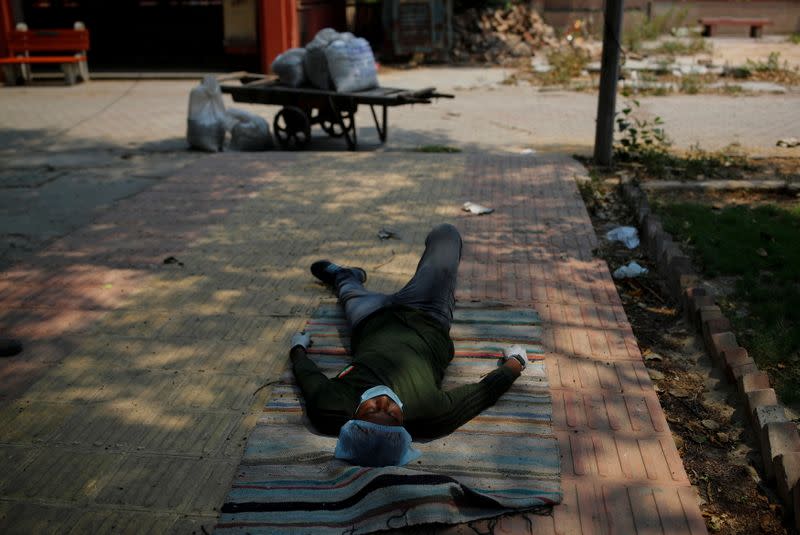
(454, 408)
(325, 407)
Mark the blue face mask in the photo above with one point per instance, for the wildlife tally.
(380, 390)
(368, 444)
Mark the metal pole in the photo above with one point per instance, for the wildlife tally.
(609, 73)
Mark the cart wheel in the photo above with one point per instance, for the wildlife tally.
(292, 128)
(333, 128)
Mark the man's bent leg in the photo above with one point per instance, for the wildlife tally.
(358, 302)
(432, 288)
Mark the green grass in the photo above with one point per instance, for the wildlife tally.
(436, 149)
(795, 38)
(639, 31)
(771, 65)
(691, 84)
(682, 48)
(758, 246)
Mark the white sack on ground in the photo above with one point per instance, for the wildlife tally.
(249, 132)
(205, 129)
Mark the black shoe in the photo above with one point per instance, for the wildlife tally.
(10, 347)
(326, 271)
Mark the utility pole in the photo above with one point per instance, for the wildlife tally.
(609, 74)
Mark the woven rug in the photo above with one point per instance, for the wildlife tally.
(506, 459)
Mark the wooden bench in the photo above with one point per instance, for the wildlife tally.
(710, 24)
(31, 47)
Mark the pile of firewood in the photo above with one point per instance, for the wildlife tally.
(500, 35)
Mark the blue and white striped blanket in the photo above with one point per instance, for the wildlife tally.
(506, 459)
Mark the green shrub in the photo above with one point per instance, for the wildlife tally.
(566, 63)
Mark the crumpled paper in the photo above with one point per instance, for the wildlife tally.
(476, 209)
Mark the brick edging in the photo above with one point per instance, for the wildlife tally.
(778, 437)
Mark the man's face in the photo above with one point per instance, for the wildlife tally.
(380, 410)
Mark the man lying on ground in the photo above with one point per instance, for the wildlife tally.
(401, 348)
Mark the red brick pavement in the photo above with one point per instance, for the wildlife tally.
(109, 327)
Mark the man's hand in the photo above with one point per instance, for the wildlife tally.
(301, 339)
(515, 357)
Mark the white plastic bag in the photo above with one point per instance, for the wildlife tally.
(630, 271)
(476, 209)
(351, 65)
(315, 63)
(289, 67)
(627, 235)
(205, 129)
(249, 132)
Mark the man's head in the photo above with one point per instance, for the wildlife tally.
(380, 409)
(375, 436)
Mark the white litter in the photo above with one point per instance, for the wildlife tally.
(476, 209)
(630, 271)
(788, 142)
(527, 151)
(387, 234)
(627, 235)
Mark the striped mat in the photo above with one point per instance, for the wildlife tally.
(506, 459)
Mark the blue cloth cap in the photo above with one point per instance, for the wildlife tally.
(380, 390)
(368, 444)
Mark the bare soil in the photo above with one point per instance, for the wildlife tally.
(717, 448)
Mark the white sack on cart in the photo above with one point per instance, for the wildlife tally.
(351, 65)
(289, 67)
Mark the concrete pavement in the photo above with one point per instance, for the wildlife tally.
(129, 408)
(66, 152)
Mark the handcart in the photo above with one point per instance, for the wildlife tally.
(335, 112)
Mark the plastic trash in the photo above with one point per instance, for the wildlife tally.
(249, 132)
(205, 129)
(788, 142)
(632, 270)
(351, 65)
(387, 234)
(627, 235)
(527, 151)
(476, 209)
(289, 67)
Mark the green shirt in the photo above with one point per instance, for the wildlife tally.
(408, 351)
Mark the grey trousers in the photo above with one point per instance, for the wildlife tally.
(430, 290)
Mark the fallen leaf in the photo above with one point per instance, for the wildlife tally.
(655, 375)
(653, 356)
(711, 425)
(679, 392)
(761, 252)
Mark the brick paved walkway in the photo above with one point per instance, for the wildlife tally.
(129, 409)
